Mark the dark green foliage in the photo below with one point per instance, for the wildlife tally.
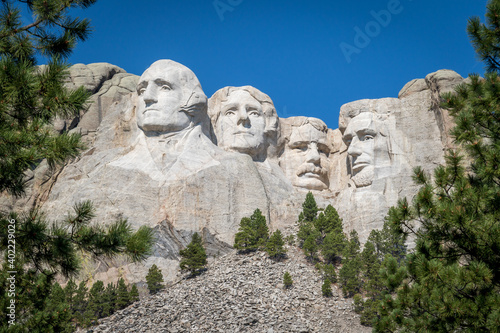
(329, 221)
(310, 248)
(388, 241)
(79, 305)
(306, 230)
(194, 258)
(322, 233)
(109, 300)
(95, 304)
(328, 272)
(30, 97)
(484, 36)
(309, 208)
(44, 251)
(326, 288)
(287, 280)
(134, 294)
(451, 283)
(154, 279)
(275, 246)
(70, 294)
(122, 295)
(55, 248)
(252, 234)
(290, 240)
(350, 273)
(358, 303)
(333, 246)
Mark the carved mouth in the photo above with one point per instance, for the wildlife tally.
(311, 175)
(148, 110)
(359, 165)
(310, 171)
(242, 133)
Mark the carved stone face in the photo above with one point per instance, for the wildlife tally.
(241, 124)
(361, 136)
(160, 99)
(305, 159)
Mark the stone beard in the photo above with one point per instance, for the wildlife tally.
(367, 147)
(305, 157)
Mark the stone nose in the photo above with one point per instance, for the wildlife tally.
(242, 116)
(312, 155)
(150, 95)
(354, 148)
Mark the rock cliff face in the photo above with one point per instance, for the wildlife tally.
(164, 155)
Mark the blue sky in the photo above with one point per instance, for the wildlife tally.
(304, 54)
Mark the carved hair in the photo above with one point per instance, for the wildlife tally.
(380, 110)
(314, 122)
(222, 95)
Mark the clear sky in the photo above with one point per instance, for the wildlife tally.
(310, 57)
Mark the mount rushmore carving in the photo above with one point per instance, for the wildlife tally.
(164, 155)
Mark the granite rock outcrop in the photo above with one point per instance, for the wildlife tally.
(162, 154)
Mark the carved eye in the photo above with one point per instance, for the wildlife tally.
(300, 148)
(367, 137)
(165, 87)
(254, 113)
(141, 91)
(347, 140)
(230, 112)
(323, 151)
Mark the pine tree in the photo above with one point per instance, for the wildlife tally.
(30, 98)
(252, 234)
(306, 230)
(388, 241)
(134, 294)
(58, 311)
(287, 280)
(328, 271)
(275, 246)
(194, 258)
(80, 303)
(349, 274)
(326, 288)
(46, 251)
(109, 300)
(70, 294)
(154, 279)
(311, 248)
(332, 247)
(95, 305)
(309, 208)
(452, 281)
(333, 221)
(122, 295)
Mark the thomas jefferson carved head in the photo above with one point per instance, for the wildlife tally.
(244, 120)
(170, 98)
(305, 154)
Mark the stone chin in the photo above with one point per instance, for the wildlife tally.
(364, 177)
(241, 145)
